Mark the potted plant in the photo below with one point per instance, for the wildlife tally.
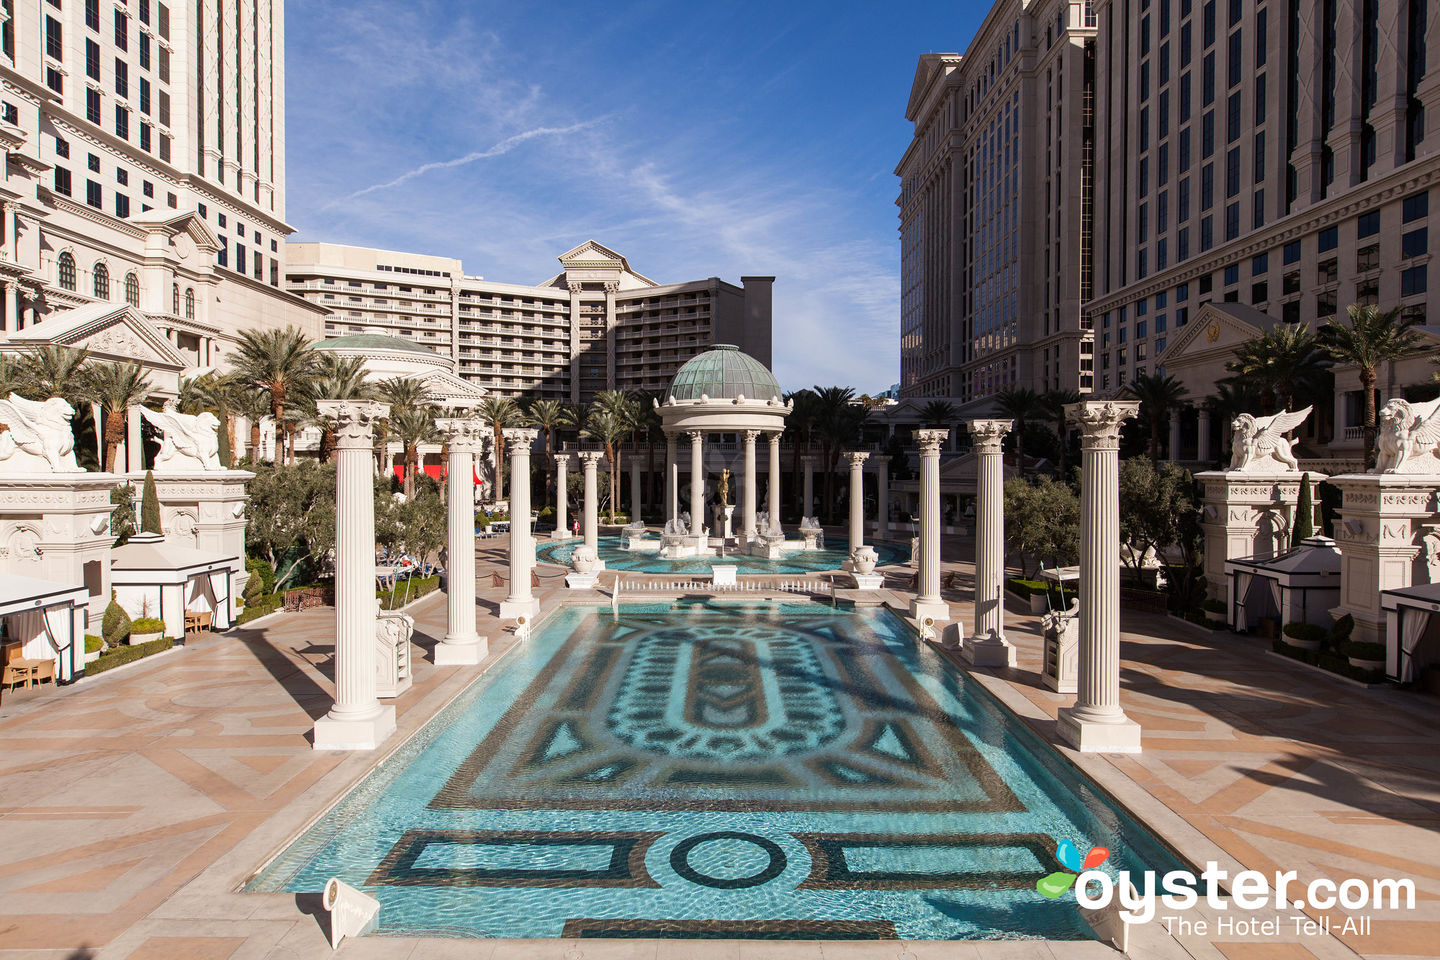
(146, 629)
(1364, 656)
(1304, 636)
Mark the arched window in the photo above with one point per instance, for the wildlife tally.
(175, 299)
(132, 290)
(189, 303)
(66, 270)
(102, 282)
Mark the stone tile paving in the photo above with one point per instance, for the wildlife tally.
(133, 805)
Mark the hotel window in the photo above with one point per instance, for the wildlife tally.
(144, 51)
(1234, 60)
(1207, 234)
(92, 14)
(122, 206)
(145, 137)
(54, 43)
(92, 105)
(62, 181)
(1207, 135)
(240, 258)
(132, 290)
(1259, 292)
(122, 78)
(1327, 272)
(92, 59)
(222, 255)
(101, 273)
(1368, 224)
(1368, 291)
(122, 122)
(175, 299)
(1367, 258)
(1292, 252)
(189, 303)
(65, 271)
(94, 194)
(1290, 283)
(1326, 305)
(145, 96)
(122, 34)
(1232, 274)
(1415, 207)
(1415, 243)
(1329, 238)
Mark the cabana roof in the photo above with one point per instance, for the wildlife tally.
(1314, 561)
(150, 559)
(1426, 596)
(22, 594)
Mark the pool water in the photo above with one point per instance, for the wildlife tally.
(718, 770)
(616, 557)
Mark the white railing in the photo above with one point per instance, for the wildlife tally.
(800, 586)
(1353, 433)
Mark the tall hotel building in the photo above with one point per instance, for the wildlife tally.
(143, 193)
(596, 325)
(1261, 162)
(995, 208)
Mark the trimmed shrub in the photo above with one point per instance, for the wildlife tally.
(1362, 651)
(150, 506)
(115, 627)
(147, 625)
(1306, 632)
(1340, 633)
(262, 605)
(122, 655)
(418, 587)
(93, 643)
(261, 569)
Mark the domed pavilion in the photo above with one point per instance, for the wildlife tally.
(723, 391)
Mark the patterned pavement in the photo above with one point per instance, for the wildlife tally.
(134, 804)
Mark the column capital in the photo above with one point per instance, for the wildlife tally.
(989, 434)
(522, 437)
(589, 458)
(354, 420)
(857, 458)
(774, 438)
(562, 462)
(751, 436)
(809, 459)
(463, 434)
(695, 435)
(930, 441)
(1099, 421)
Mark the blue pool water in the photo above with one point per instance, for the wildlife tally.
(616, 557)
(718, 770)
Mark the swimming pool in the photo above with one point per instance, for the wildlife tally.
(718, 770)
(617, 557)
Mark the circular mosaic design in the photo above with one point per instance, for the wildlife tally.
(725, 859)
(616, 557)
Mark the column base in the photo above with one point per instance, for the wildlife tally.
(559, 534)
(937, 610)
(992, 651)
(461, 652)
(1092, 736)
(351, 734)
(515, 609)
(868, 581)
(580, 581)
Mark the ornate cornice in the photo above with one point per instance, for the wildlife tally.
(520, 439)
(857, 458)
(463, 434)
(1099, 421)
(989, 434)
(930, 441)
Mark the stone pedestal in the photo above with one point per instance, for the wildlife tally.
(1061, 668)
(562, 506)
(580, 581)
(520, 602)
(56, 526)
(461, 644)
(1096, 724)
(987, 646)
(204, 510)
(357, 721)
(723, 515)
(927, 602)
(1245, 514)
(1387, 531)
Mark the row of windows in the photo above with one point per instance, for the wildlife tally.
(100, 277)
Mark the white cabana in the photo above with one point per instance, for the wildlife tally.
(1412, 630)
(47, 619)
(155, 578)
(1301, 585)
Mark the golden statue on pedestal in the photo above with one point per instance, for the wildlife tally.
(725, 487)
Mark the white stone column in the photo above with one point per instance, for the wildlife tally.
(636, 514)
(562, 518)
(590, 519)
(1096, 724)
(772, 494)
(672, 478)
(134, 445)
(987, 646)
(697, 483)
(927, 602)
(748, 529)
(882, 497)
(1175, 435)
(462, 644)
(520, 603)
(857, 498)
(1202, 435)
(808, 490)
(357, 721)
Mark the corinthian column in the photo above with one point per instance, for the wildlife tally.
(1096, 724)
(927, 602)
(635, 511)
(808, 489)
(772, 493)
(562, 519)
(749, 515)
(857, 498)
(520, 603)
(672, 478)
(697, 483)
(590, 518)
(462, 645)
(987, 646)
(357, 721)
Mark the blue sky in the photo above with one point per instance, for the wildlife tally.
(696, 139)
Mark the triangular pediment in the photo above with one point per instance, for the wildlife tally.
(1215, 330)
(110, 331)
(930, 65)
(590, 252)
(448, 388)
(189, 224)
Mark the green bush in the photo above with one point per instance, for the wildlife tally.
(547, 513)
(262, 569)
(150, 506)
(128, 654)
(1214, 606)
(418, 587)
(1306, 632)
(115, 627)
(93, 643)
(259, 607)
(1362, 651)
(1340, 633)
(147, 625)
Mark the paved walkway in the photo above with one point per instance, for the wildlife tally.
(134, 804)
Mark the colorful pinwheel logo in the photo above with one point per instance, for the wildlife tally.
(1053, 885)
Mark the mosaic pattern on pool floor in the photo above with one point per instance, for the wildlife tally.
(764, 771)
(616, 557)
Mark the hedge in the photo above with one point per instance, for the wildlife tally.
(127, 654)
(1326, 660)
(1025, 588)
(418, 587)
(259, 608)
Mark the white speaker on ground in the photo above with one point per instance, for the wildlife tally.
(352, 913)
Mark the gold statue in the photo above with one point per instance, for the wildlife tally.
(724, 487)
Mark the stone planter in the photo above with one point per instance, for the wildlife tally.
(1310, 645)
(864, 560)
(1360, 664)
(144, 637)
(583, 560)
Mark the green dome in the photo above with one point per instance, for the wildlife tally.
(371, 341)
(723, 373)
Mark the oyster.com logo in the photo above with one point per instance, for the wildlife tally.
(1055, 884)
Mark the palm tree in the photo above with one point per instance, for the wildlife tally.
(12, 377)
(1160, 398)
(211, 393)
(938, 414)
(500, 412)
(607, 427)
(1055, 402)
(1022, 405)
(622, 407)
(1371, 338)
(413, 426)
(1279, 364)
(837, 421)
(281, 362)
(800, 425)
(115, 387)
(548, 415)
(336, 378)
(401, 393)
(648, 424)
(254, 406)
(50, 370)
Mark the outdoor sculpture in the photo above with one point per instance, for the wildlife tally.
(1260, 442)
(1409, 439)
(188, 442)
(679, 527)
(40, 429)
(393, 630)
(724, 489)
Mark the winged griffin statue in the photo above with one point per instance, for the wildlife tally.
(1409, 439)
(1260, 442)
(189, 441)
(39, 432)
